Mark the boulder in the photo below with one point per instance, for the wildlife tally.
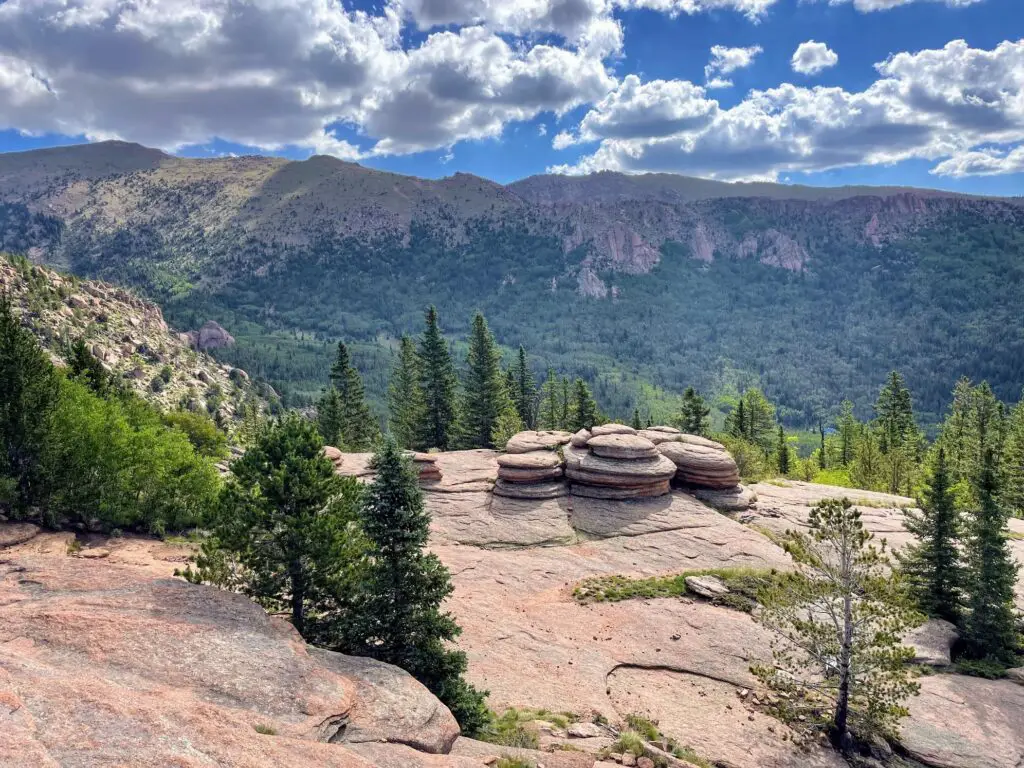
(1015, 675)
(701, 465)
(210, 336)
(657, 437)
(612, 429)
(665, 430)
(707, 586)
(698, 440)
(525, 442)
(622, 447)
(579, 439)
(933, 642)
(332, 453)
(585, 730)
(534, 460)
(736, 499)
(585, 467)
(538, 490)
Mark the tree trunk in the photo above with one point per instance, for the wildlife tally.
(840, 727)
(298, 580)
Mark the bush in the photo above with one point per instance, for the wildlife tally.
(511, 729)
(986, 668)
(200, 430)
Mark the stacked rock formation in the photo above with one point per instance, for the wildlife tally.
(426, 467)
(612, 461)
(531, 468)
(701, 462)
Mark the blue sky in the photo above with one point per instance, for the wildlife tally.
(508, 88)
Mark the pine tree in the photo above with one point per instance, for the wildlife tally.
(397, 616)
(483, 389)
(974, 425)
(894, 414)
(286, 520)
(29, 395)
(508, 424)
(822, 449)
(438, 384)
(584, 408)
(848, 429)
(85, 367)
(406, 403)
(524, 393)
(782, 453)
(693, 414)
(932, 565)
(635, 423)
(565, 404)
(989, 629)
(838, 627)
(1012, 468)
(867, 470)
(358, 427)
(549, 404)
(330, 418)
(737, 422)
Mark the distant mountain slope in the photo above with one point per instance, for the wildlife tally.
(127, 334)
(814, 293)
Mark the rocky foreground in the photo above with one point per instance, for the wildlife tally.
(105, 660)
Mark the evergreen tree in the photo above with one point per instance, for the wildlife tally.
(438, 384)
(524, 392)
(822, 450)
(85, 367)
(565, 404)
(894, 414)
(753, 420)
(483, 390)
(693, 414)
(29, 395)
(358, 427)
(1012, 469)
(838, 627)
(932, 565)
(397, 617)
(286, 522)
(867, 470)
(782, 453)
(974, 425)
(406, 403)
(508, 424)
(550, 409)
(635, 423)
(736, 424)
(989, 629)
(848, 429)
(584, 408)
(330, 418)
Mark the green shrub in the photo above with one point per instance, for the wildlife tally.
(630, 742)
(986, 668)
(512, 728)
(266, 730)
(513, 762)
(646, 728)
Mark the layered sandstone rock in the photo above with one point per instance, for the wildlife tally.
(426, 467)
(704, 466)
(631, 467)
(534, 474)
(525, 442)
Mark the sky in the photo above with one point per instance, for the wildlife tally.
(915, 92)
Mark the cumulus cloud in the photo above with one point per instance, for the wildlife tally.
(867, 6)
(945, 105)
(725, 60)
(812, 57)
(983, 162)
(272, 73)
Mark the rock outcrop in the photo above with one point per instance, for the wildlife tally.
(210, 336)
(702, 463)
(617, 464)
(110, 662)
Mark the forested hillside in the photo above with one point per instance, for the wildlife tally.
(643, 289)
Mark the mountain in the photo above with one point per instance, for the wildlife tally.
(628, 281)
(128, 335)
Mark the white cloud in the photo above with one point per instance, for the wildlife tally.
(725, 60)
(813, 57)
(271, 73)
(752, 9)
(945, 105)
(867, 6)
(983, 162)
(563, 140)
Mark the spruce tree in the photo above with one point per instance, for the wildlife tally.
(894, 414)
(782, 453)
(693, 414)
(358, 427)
(565, 404)
(990, 632)
(329, 418)
(933, 565)
(397, 616)
(635, 423)
(549, 401)
(406, 404)
(438, 382)
(285, 520)
(29, 396)
(584, 408)
(848, 429)
(524, 392)
(484, 391)
(85, 367)
(822, 449)
(1012, 469)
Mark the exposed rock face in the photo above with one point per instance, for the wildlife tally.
(210, 336)
(525, 442)
(707, 586)
(103, 662)
(612, 429)
(735, 499)
(531, 474)
(583, 468)
(702, 466)
(622, 447)
(932, 642)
